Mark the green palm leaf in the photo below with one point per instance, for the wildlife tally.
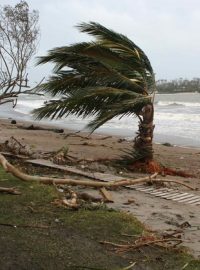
(108, 77)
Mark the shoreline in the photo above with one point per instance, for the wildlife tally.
(174, 156)
(126, 128)
(129, 136)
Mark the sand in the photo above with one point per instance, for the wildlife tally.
(157, 213)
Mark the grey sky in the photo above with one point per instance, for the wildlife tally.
(167, 30)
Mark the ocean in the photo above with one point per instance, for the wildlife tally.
(177, 118)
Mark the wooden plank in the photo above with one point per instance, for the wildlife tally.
(97, 176)
(106, 195)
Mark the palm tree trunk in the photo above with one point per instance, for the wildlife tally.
(144, 140)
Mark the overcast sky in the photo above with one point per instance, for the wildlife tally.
(167, 30)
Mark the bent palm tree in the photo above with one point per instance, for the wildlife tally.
(106, 78)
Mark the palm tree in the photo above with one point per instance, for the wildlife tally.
(105, 78)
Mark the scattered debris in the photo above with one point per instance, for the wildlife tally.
(72, 201)
(61, 157)
(75, 200)
(16, 147)
(148, 240)
(98, 184)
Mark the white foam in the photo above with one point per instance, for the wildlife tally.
(177, 103)
(26, 106)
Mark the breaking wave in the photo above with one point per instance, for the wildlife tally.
(177, 103)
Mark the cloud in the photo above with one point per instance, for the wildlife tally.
(168, 31)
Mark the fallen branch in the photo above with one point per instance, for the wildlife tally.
(48, 180)
(174, 181)
(120, 248)
(13, 191)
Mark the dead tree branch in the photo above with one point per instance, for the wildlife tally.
(48, 180)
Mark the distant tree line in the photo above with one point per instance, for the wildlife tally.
(178, 85)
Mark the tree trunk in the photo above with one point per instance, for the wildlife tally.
(143, 142)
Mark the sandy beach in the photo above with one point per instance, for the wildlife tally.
(156, 213)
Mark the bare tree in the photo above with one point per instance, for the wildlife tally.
(19, 34)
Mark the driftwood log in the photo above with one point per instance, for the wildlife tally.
(32, 127)
(89, 183)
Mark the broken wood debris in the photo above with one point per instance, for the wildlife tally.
(48, 180)
(149, 240)
(107, 177)
(106, 195)
(16, 147)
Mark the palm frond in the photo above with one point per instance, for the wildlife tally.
(106, 78)
(126, 108)
(91, 72)
(116, 102)
(115, 40)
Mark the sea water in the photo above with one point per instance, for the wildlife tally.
(177, 118)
